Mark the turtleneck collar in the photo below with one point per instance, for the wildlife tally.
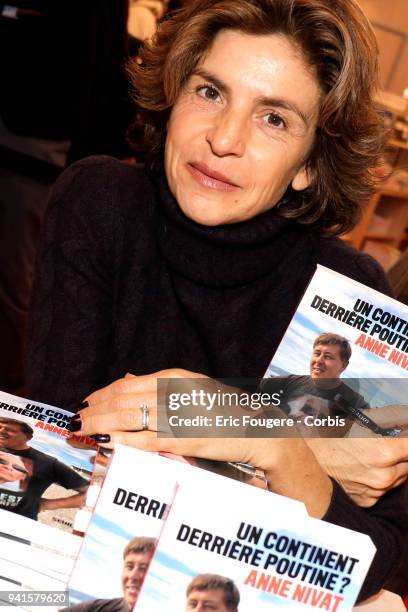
(221, 256)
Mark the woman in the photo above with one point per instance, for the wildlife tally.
(263, 131)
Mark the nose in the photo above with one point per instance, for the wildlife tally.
(136, 574)
(227, 134)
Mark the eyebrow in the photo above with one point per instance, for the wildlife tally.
(264, 100)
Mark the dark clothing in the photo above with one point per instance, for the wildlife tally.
(398, 277)
(129, 284)
(386, 523)
(399, 581)
(100, 605)
(43, 472)
(62, 74)
(23, 202)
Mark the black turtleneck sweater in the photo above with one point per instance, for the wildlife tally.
(128, 284)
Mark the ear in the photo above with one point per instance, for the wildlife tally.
(302, 179)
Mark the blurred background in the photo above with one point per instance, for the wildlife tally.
(64, 95)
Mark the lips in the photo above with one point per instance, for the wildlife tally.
(133, 588)
(317, 370)
(209, 177)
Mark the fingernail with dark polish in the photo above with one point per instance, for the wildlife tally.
(83, 405)
(102, 438)
(75, 424)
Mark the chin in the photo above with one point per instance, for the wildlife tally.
(206, 213)
(131, 601)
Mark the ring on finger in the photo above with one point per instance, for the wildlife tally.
(145, 417)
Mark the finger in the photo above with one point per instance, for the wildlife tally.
(123, 413)
(387, 478)
(399, 481)
(218, 449)
(118, 402)
(393, 451)
(400, 471)
(366, 501)
(151, 442)
(136, 384)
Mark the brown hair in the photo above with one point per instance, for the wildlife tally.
(336, 39)
(139, 545)
(24, 427)
(335, 340)
(208, 582)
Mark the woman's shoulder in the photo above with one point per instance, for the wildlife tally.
(102, 179)
(337, 255)
(96, 202)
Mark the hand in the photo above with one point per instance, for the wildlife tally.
(290, 467)
(116, 409)
(366, 468)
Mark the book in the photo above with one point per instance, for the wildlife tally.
(137, 491)
(44, 476)
(220, 548)
(362, 388)
(40, 558)
(39, 460)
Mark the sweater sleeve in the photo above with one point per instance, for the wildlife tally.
(337, 255)
(386, 523)
(70, 320)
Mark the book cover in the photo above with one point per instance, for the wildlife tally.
(40, 559)
(136, 494)
(247, 552)
(350, 342)
(40, 463)
(44, 477)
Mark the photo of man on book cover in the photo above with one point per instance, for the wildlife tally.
(40, 471)
(349, 343)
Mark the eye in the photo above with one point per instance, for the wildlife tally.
(275, 120)
(19, 469)
(208, 92)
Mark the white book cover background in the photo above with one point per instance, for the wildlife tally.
(43, 562)
(121, 513)
(282, 558)
(295, 349)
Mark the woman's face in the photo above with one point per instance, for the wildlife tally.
(242, 128)
(11, 468)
